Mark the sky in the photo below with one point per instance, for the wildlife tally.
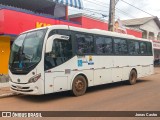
(100, 9)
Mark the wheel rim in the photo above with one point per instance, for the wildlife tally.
(79, 85)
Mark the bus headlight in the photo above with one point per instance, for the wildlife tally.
(34, 79)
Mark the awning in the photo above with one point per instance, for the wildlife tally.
(72, 3)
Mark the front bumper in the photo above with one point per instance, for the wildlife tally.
(30, 89)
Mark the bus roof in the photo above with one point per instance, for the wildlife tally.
(49, 27)
(94, 31)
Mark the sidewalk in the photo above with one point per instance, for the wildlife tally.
(6, 92)
(4, 87)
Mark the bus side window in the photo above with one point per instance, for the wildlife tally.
(99, 45)
(103, 45)
(85, 43)
(137, 48)
(120, 46)
(51, 33)
(143, 48)
(133, 47)
(149, 48)
(61, 32)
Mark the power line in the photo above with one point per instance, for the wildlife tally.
(102, 4)
(107, 6)
(125, 13)
(137, 7)
(116, 2)
(98, 11)
(93, 11)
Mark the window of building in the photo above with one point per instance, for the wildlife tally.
(104, 45)
(144, 34)
(120, 46)
(85, 44)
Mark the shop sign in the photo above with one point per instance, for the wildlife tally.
(156, 45)
(118, 27)
(40, 24)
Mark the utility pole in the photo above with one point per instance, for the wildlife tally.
(111, 15)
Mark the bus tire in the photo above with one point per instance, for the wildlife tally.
(132, 77)
(79, 86)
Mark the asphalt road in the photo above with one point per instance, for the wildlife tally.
(143, 96)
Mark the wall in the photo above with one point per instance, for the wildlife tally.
(4, 54)
(94, 24)
(134, 33)
(1, 21)
(16, 22)
(77, 19)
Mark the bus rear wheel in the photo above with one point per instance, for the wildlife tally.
(132, 77)
(79, 86)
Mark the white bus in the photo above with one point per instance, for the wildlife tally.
(61, 58)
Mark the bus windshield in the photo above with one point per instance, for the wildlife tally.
(27, 50)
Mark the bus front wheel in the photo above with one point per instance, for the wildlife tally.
(79, 86)
(132, 77)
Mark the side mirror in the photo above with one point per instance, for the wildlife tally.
(49, 44)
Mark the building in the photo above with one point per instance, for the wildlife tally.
(150, 27)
